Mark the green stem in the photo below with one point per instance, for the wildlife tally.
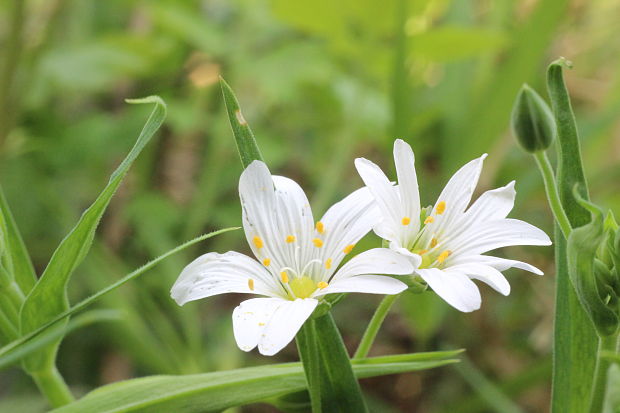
(373, 327)
(552, 192)
(309, 355)
(53, 387)
(599, 386)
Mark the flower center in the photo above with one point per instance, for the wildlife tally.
(302, 287)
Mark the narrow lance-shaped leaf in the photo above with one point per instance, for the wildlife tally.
(244, 138)
(214, 392)
(15, 258)
(49, 296)
(575, 341)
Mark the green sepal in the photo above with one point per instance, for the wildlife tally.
(593, 294)
(326, 304)
(415, 283)
(244, 138)
(532, 121)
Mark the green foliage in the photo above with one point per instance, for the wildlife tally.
(217, 391)
(49, 296)
(244, 138)
(13, 254)
(595, 291)
(574, 337)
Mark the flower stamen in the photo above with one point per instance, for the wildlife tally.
(251, 284)
(317, 242)
(320, 227)
(443, 256)
(429, 220)
(266, 262)
(284, 277)
(322, 285)
(348, 248)
(290, 239)
(405, 221)
(441, 207)
(258, 242)
(328, 263)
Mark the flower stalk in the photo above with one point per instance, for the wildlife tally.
(375, 324)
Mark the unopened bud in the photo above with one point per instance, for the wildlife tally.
(532, 121)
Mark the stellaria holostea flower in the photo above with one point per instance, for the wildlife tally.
(445, 242)
(297, 260)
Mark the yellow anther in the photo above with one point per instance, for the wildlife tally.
(258, 242)
(251, 284)
(261, 324)
(348, 248)
(266, 262)
(434, 242)
(406, 220)
(322, 285)
(284, 277)
(429, 220)
(290, 238)
(318, 242)
(443, 256)
(441, 207)
(422, 252)
(320, 227)
(328, 263)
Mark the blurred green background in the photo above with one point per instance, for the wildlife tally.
(321, 82)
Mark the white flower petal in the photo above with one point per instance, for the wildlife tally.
(286, 321)
(372, 284)
(274, 209)
(456, 195)
(250, 318)
(415, 259)
(384, 192)
(375, 261)
(453, 287)
(407, 183)
(499, 233)
(213, 273)
(344, 224)
(294, 217)
(486, 274)
(259, 209)
(500, 264)
(493, 204)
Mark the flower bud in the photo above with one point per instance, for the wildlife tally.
(532, 121)
(593, 278)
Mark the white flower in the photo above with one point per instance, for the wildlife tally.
(445, 243)
(297, 260)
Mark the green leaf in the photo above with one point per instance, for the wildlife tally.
(575, 341)
(343, 390)
(15, 259)
(55, 333)
(22, 341)
(217, 391)
(244, 138)
(49, 296)
(309, 355)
